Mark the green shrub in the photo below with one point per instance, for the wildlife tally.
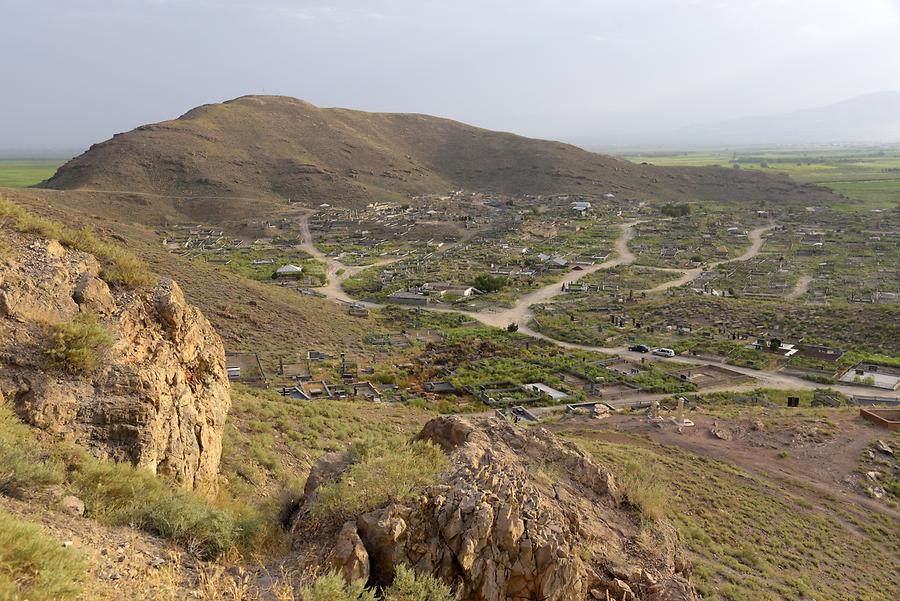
(119, 494)
(22, 465)
(381, 473)
(331, 587)
(407, 586)
(489, 283)
(33, 566)
(80, 343)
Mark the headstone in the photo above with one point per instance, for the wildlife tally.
(681, 421)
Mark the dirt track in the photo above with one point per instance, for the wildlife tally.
(520, 313)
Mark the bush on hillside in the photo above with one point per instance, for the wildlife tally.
(120, 495)
(119, 265)
(80, 343)
(644, 489)
(33, 566)
(381, 473)
(23, 467)
(407, 586)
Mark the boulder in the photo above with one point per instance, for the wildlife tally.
(349, 556)
(160, 397)
(71, 505)
(884, 447)
(92, 293)
(497, 528)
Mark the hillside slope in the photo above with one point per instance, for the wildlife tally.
(282, 148)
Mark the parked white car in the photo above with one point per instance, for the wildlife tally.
(664, 352)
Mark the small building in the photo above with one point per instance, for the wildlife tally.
(553, 393)
(581, 207)
(870, 374)
(409, 298)
(452, 289)
(287, 271)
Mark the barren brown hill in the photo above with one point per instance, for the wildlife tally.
(276, 147)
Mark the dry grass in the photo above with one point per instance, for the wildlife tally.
(381, 474)
(119, 265)
(35, 567)
(750, 538)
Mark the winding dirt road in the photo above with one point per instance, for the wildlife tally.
(520, 312)
(689, 275)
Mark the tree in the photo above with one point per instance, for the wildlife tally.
(774, 344)
(489, 283)
(513, 327)
(676, 210)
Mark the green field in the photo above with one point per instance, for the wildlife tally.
(21, 173)
(868, 175)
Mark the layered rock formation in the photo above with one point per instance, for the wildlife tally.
(160, 395)
(518, 515)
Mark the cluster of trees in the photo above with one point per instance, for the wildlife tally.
(676, 210)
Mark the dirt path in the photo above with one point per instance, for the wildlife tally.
(520, 312)
(689, 275)
(801, 288)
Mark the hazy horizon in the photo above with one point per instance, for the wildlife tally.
(585, 72)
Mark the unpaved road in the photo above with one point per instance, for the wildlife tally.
(520, 312)
(800, 288)
(689, 275)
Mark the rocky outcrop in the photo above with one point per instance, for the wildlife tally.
(159, 397)
(518, 515)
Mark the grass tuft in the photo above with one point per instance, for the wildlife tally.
(80, 343)
(22, 465)
(33, 566)
(381, 473)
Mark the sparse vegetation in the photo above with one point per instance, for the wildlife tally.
(119, 494)
(23, 465)
(79, 344)
(750, 537)
(119, 265)
(407, 586)
(381, 473)
(35, 567)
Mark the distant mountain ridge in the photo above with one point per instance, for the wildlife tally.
(275, 148)
(871, 118)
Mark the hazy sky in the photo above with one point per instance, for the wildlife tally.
(77, 71)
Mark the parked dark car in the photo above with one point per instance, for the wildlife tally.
(639, 348)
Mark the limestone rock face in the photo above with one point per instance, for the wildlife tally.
(160, 396)
(518, 515)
